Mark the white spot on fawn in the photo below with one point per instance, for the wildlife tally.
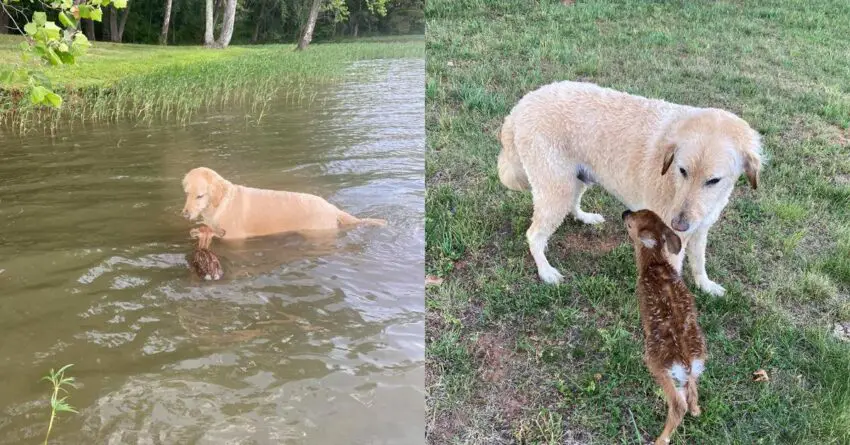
(677, 371)
(697, 367)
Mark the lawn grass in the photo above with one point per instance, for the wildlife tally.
(145, 82)
(512, 360)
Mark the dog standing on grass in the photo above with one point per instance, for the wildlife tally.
(675, 346)
(681, 162)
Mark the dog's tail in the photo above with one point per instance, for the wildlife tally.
(511, 172)
(348, 220)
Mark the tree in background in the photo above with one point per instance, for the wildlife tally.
(307, 35)
(163, 36)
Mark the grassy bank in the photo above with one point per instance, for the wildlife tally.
(511, 360)
(149, 82)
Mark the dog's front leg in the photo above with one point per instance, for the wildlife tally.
(696, 258)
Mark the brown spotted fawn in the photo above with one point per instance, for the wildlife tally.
(675, 346)
(204, 262)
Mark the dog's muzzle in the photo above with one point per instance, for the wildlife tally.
(626, 213)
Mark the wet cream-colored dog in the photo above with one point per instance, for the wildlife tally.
(680, 162)
(244, 212)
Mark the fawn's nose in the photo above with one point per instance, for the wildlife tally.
(626, 213)
(185, 213)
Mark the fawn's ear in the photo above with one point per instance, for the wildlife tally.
(194, 233)
(647, 238)
(219, 232)
(674, 243)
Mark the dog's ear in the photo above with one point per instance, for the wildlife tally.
(752, 162)
(673, 242)
(195, 232)
(216, 189)
(219, 232)
(669, 150)
(647, 238)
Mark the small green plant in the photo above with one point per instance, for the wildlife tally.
(57, 405)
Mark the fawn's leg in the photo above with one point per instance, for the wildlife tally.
(676, 406)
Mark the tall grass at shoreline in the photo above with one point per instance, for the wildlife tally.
(176, 91)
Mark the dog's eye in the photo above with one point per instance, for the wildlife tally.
(200, 196)
(712, 181)
(683, 172)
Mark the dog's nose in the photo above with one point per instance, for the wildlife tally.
(626, 213)
(186, 214)
(679, 223)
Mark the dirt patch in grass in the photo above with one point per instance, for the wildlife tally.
(585, 242)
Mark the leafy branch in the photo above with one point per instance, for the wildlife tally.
(53, 44)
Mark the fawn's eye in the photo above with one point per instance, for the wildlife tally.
(200, 196)
(683, 172)
(712, 181)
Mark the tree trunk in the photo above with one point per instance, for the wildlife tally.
(208, 32)
(356, 28)
(256, 36)
(163, 36)
(311, 25)
(4, 21)
(88, 28)
(124, 14)
(113, 24)
(227, 24)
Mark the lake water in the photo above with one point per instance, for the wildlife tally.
(305, 341)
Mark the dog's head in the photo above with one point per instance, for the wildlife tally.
(648, 231)
(706, 152)
(204, 189)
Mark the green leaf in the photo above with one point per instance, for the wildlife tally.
(37, 94)
(66, 21)
(85, 11)
(96, 14)
(53, 58)
(81, 43)
(42, 79)
(52, 31)
(119, 3)
(24, 46)
(40, 18)
(96, 2)
(105, 2)
(30, 28)
(67, 58)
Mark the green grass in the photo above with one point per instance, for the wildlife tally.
(141, 82)
(511, 360)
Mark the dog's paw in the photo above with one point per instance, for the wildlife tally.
(590, 218)
(551, 275)
(711, 288)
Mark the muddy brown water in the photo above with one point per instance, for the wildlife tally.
(313, 341)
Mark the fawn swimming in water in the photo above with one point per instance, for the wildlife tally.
(205, 263)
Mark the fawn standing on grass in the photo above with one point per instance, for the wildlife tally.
(675, 346)
(204, 261)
